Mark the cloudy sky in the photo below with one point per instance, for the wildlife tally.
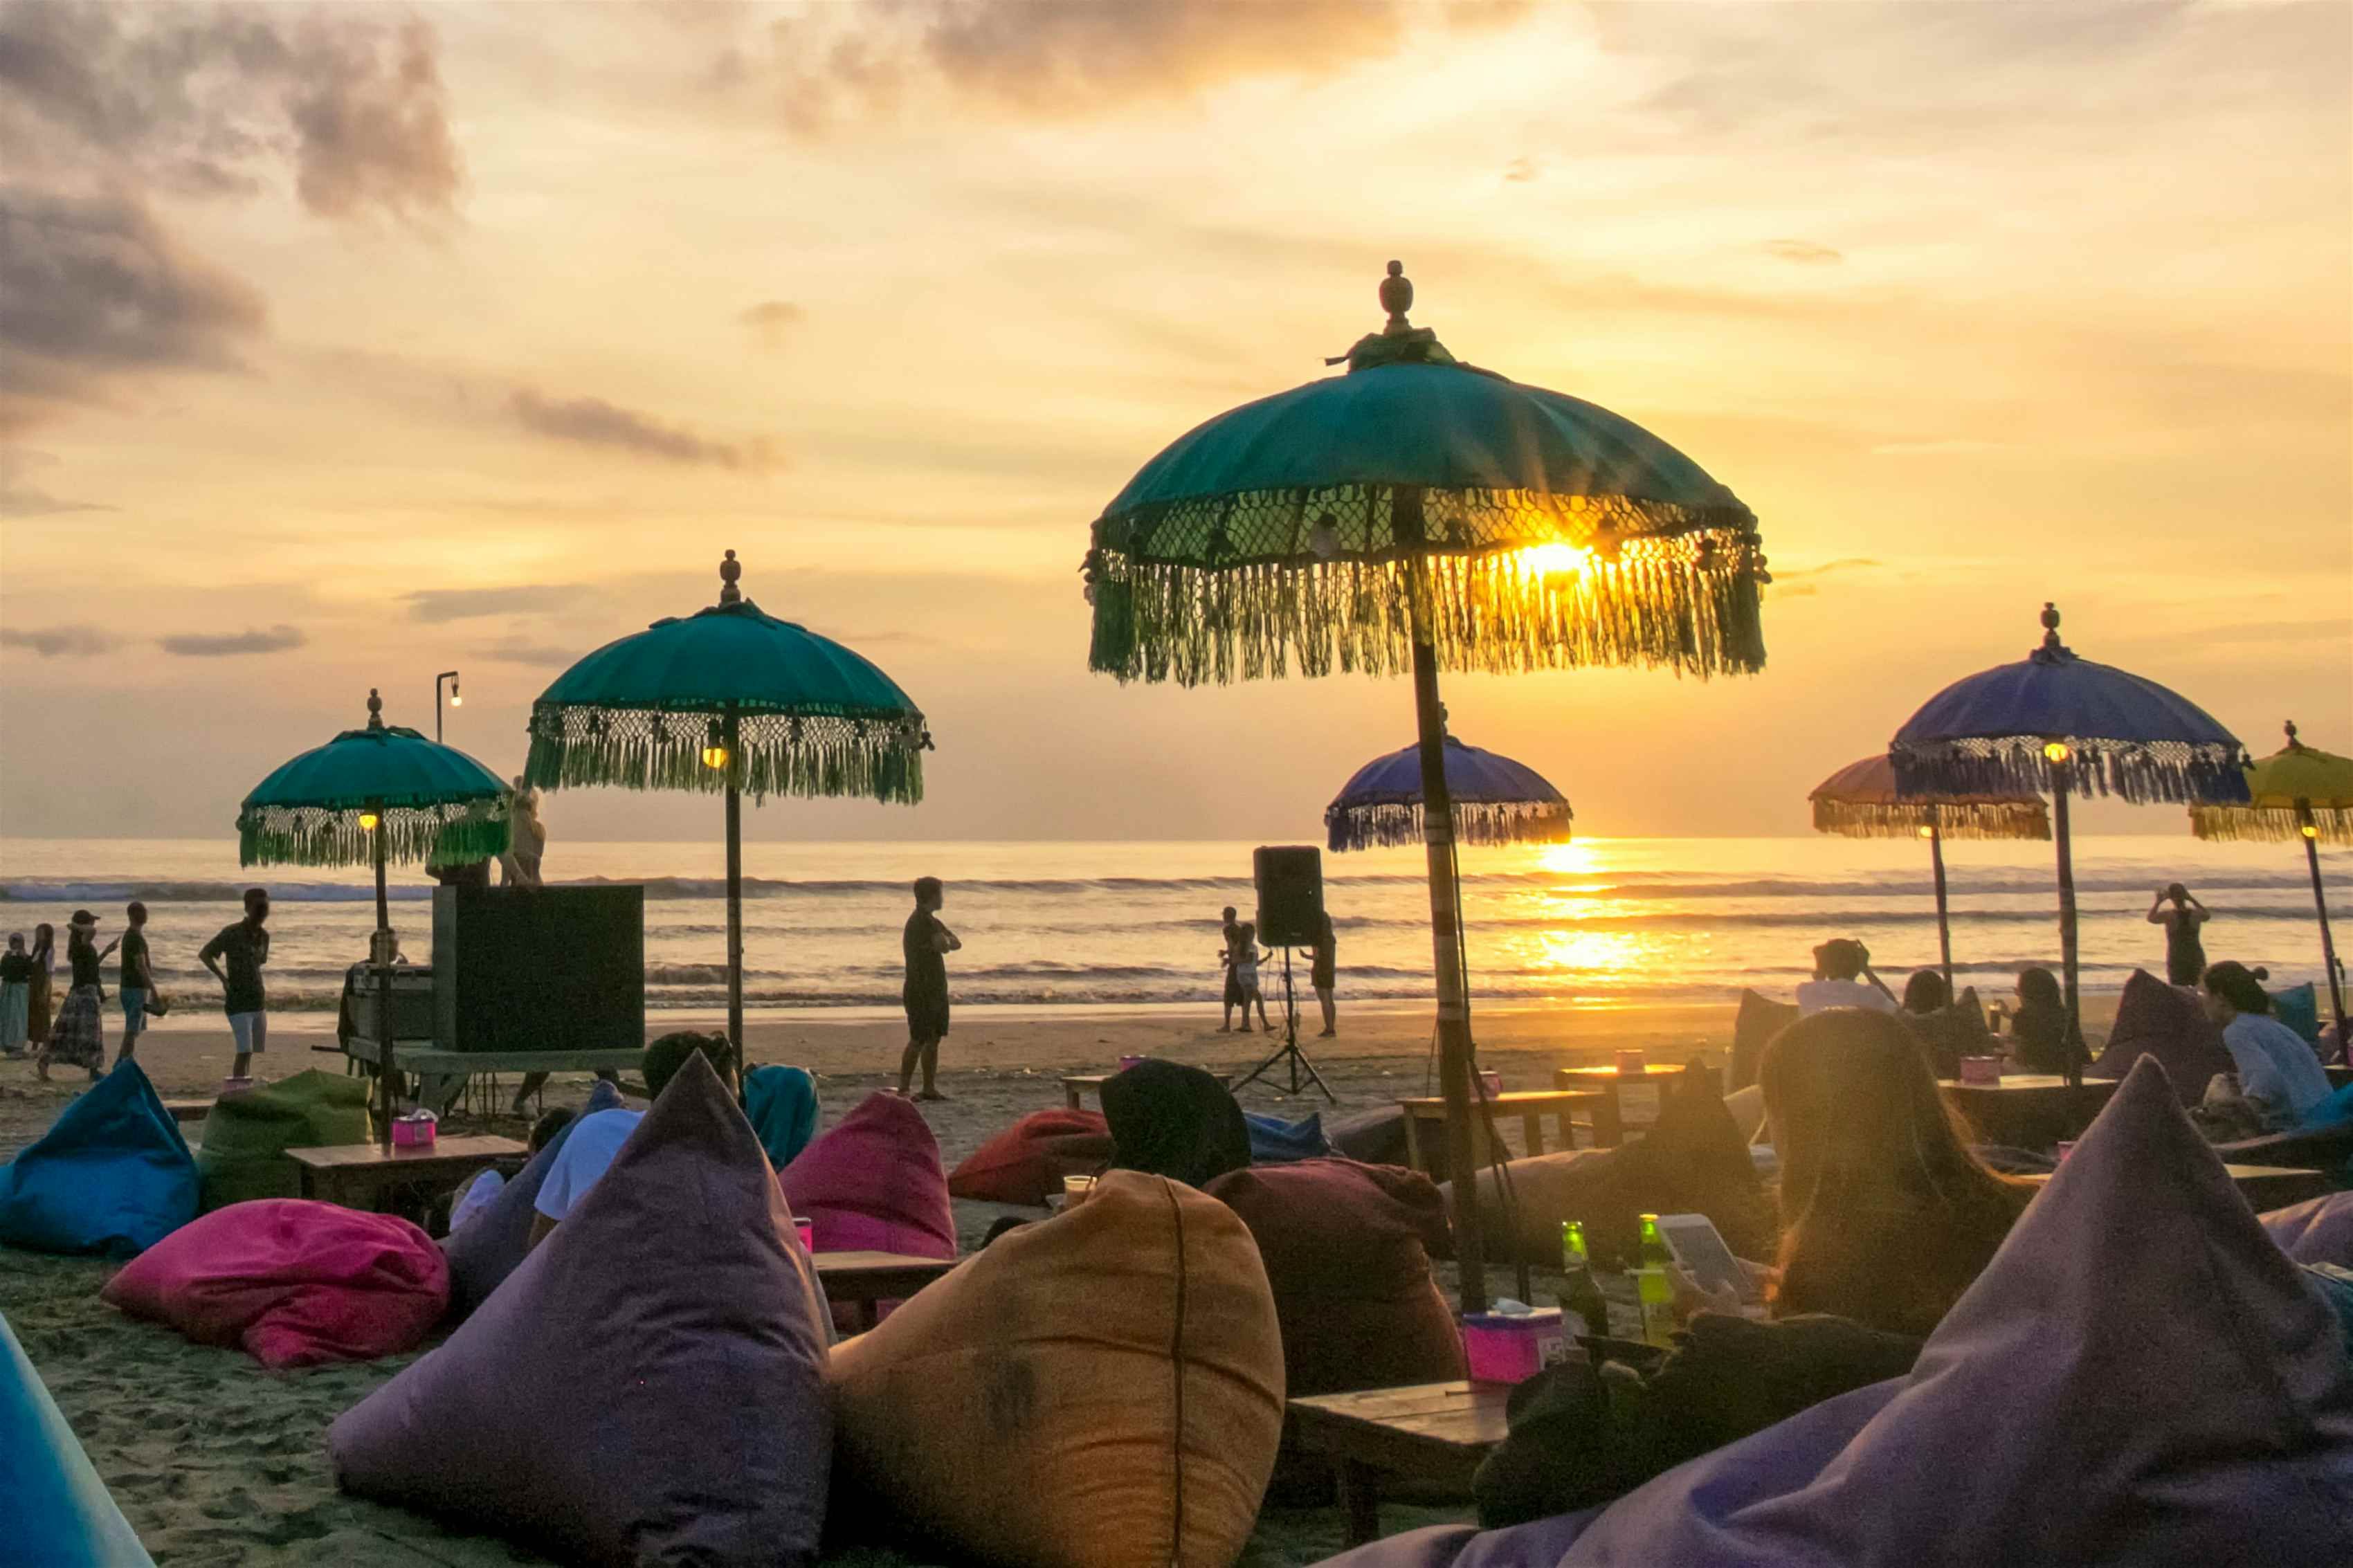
(341, 346)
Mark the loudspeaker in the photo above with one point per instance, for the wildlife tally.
(540, 968)
(1290, 878)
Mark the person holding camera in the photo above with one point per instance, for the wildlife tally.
(1836, 964)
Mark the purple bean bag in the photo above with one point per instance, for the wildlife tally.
(648, 1387)
(488, 1247)
(2317, 1230)
(2169, 1022)
(874, 1184)
(2140, 1377)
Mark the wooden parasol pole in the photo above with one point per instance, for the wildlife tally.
(381, 960)
(2062, 784)
(1944, 925)
(2310, 832)
(729, 738)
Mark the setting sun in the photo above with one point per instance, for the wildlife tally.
(1555, 560)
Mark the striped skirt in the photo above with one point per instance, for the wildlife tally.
(77, 1034)
(15, 1015)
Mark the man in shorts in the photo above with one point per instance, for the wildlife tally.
(925, 943)
(245, 947)
(136, 982)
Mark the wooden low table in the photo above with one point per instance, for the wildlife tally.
(1609, 1080)
(866, 1280)
(184, 1111)
(1425, 1124)
(2264, 1186)
(1076, 1086)
(2029, 1111)
(1431, 1433)
(357, 1175)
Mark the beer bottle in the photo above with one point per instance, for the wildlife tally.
(1581, 1296)
(1652, 1289)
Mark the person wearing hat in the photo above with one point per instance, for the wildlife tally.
(77, 1033)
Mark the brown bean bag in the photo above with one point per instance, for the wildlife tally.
(1693, 1161)
(1347, 1249)
(1101, 1389)
(1753, 1028)
(1026, 1161)
(2169, 1022)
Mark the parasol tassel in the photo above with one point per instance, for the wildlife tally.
(776, 753)
(2139, 772)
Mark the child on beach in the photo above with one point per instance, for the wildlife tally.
(16, 996)
(1231, 931)
(1246, 958)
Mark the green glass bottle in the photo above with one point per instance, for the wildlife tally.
(1581, 1296)
(1652, 1289)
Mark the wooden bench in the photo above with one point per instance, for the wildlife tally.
(2029, 1111)
(1425, 1124)
(865, 1280)
(184, 1111)
(442, 1073)
(2264, 1186)
(1432, 1434)
(1078, 1086)
(358, 1175)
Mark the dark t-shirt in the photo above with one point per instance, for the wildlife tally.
(927, 967)
(83, 957)
(135, 973)
(16, 968)
(244, 949)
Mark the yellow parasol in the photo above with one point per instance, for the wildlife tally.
(2298, 791)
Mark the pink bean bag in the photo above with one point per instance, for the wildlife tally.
(293, 1282)
(874, 1184)
(1026, 1161)
(2317, 1230)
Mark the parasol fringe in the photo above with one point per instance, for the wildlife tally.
(1178, 598)
(319, 836)
(1979, 820)
(813, 756)
(1475, 822)
(2270, 823)
(2140, 772)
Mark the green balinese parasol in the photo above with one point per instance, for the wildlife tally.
(368, 797)
(1859, 801)
(1418, 513)
(729, 699)
(2298, 791)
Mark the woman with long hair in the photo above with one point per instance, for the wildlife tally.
(1886, 1213)
(36, 989)
(2038, 1030)
(2279, 1075)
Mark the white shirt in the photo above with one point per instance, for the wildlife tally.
(594, 1141)
(2276, 1069)
(1815, 996)
(478, 1196)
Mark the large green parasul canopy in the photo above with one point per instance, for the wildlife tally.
(436, 804)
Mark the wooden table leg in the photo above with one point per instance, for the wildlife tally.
(870, 1313)
(1360, 1500)
(1414, 1152)
(1531, 1129)
(1070, 1095)
(1608, 1120)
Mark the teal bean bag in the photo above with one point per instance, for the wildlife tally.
(112, 1176)
(54, 1511)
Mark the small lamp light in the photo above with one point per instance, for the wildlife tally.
(1928, 832)
(457, 698)
(2056, 751)
(715, 754)
(2309, 831)
(368, 820)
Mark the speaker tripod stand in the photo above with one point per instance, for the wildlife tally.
(1287, 1054)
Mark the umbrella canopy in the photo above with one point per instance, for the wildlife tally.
(1495, 801)
(2296, 788)
(1419, 513)
(433, 802)
(1860, 801)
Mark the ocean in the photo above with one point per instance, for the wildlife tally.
(1603, 921)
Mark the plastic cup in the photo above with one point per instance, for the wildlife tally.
(807, 1231)
(1632, 1063)
(1076, 1189)
(1491, 1080)
(1127, 1062)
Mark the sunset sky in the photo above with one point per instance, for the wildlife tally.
(339, 347)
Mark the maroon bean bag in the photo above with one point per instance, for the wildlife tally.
(2169, 1022)
(648, 1387)
(1026, 1161)
(294, 1282)
(1347, 1250)
(2317, 1230)
(874, 1184)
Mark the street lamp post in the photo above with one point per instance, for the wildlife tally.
(456, 700)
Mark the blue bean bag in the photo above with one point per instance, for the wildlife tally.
(54, 1511)
(1274, 1142)
(2299, 1007)
(112, 1175)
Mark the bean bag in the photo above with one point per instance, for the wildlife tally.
(112, 1175)
(489, 1247)
(2323, 1141)
(2299, 1007)
(247, 1135)
(1026, 1161)
(874, 1184)
(647, 1388)
(1693, 1161)
(1347, 1249)
(782, 1104)
(1274, 1140)
(1948, 1034)
(2169, 1022)
(1101, 1389)
(1174, 1120)
(56, 1512)
(2317, 1230)
(2140, 1377)
(1753, 1028)
(293, 1282)
(1374, 1137)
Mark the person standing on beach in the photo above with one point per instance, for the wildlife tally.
(1323, 970)
(1245, 961)
(926, 945)
(16, 996)
(36, 990)
(135, 980)
(77, 1034)
(1231, 931)
(245, 947)
(2184, 919)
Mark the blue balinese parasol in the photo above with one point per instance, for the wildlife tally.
(2057, 724)
(1495, 801)
(1417, 514)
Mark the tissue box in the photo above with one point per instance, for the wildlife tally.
(415, 1130)
(1981, 1069)
(1511, 1347)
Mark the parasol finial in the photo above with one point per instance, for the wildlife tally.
(729, 570)
(1396, 298)
(375, 710)
(2292, 744)
(2053, 649)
